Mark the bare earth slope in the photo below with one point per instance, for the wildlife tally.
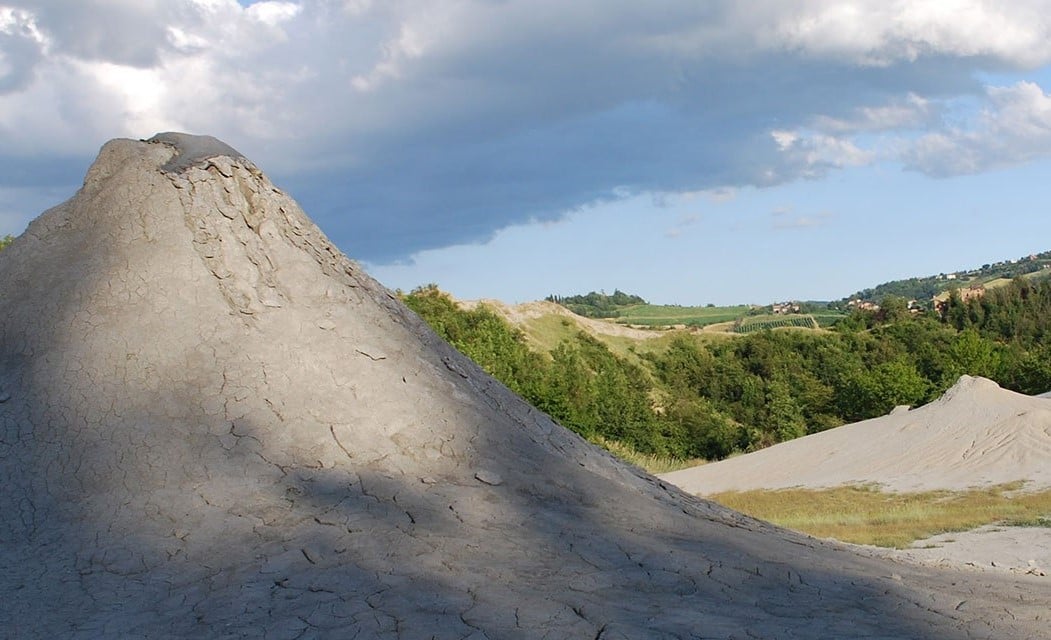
(976, 434)
(519, 314)
(213, 425)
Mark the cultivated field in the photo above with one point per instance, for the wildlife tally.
(671, 315)
(751, 324)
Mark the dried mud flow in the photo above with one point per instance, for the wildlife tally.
(975, 435)
(214, 425)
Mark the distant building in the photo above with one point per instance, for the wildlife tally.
(863, 305)
(941, 301)
(785, 307)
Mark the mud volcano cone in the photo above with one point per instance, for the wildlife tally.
(214, 425)
(976, 434)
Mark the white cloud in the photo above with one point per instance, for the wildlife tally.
(273, 13)
(812, 154)
(905, 112)
(19, 21)
(141, 92)
(882, 33)
(1013, 128)
(409, 44)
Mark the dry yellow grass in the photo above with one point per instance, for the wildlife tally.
(655, 464)
(866, 515)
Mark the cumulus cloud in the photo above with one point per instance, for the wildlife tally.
(885, 33)
(414, 124)
(812, 154)
(1015, 127)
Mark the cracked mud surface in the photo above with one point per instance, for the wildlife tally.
(214, 425)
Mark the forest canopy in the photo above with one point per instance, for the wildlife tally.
(597, 305)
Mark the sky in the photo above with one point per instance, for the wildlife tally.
(689, 152)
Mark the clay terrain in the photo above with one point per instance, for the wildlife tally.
(977, 434)
(214, 425)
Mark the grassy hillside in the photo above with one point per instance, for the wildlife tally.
(545, 325)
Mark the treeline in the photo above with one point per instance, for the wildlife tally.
(581, 383)
(909, 289)
(1019, 313)
(711, 399)
(930, 286)
(597, 305)
(780, 385)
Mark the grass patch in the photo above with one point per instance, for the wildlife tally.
(1038, 521)
(826, 319)
(546, 332)
(866, 515)
(650, 462)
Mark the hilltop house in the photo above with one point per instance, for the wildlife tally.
(941, 301)
(863, 305)
(785, 307)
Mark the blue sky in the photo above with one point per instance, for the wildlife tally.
(689, 152)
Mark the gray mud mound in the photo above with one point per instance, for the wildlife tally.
(976, 434)
(214, 425)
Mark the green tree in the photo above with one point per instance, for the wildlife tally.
(702, 431)
(483, 336)
(873, 392)
(568, 391)
(974, 355)
(893, 309)
(1027, 372)
(784, 417)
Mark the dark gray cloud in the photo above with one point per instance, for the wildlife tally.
(131, 32)
(20, 49)
(469, 178)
